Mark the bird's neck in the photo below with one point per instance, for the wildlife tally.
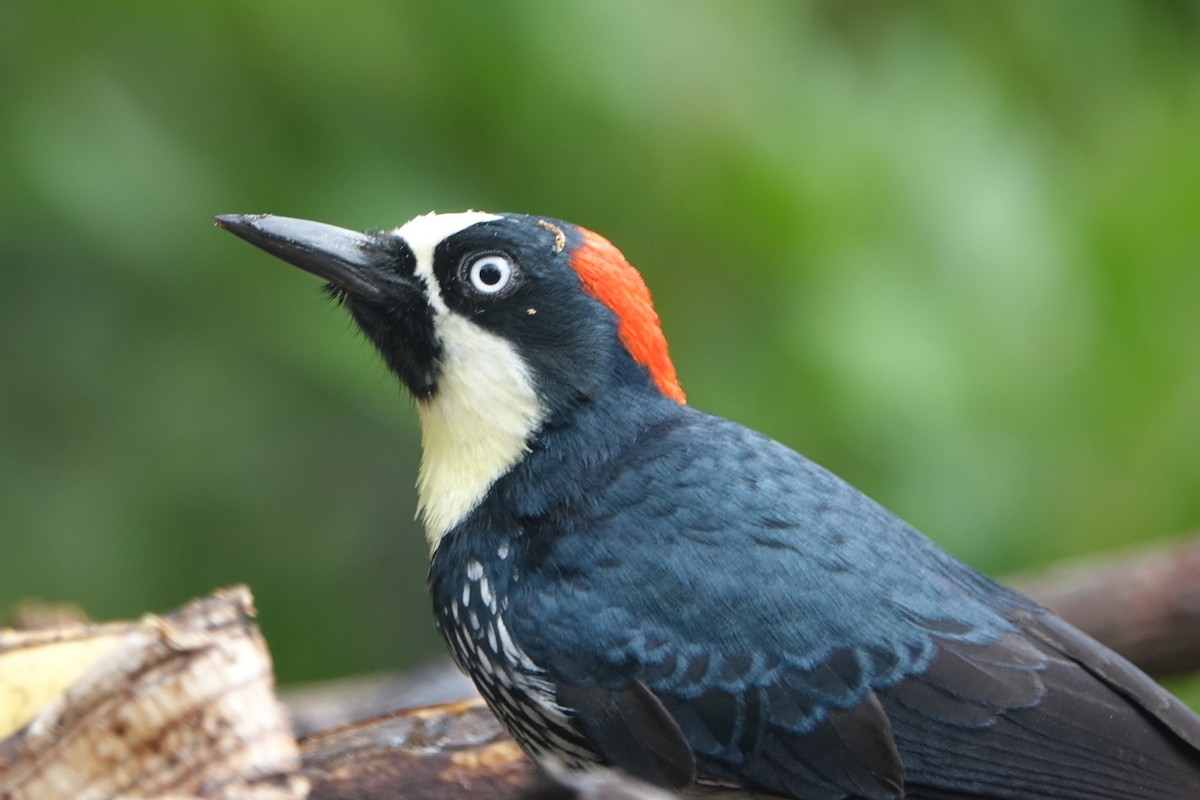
(475, 428)
(469, 468)
(576, 454)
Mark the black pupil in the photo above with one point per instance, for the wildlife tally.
(490, 274)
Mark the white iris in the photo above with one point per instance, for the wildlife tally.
(490, 274)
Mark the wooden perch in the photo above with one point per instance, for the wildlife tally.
(1143, 603)
(443, 752)
(447, 751)
(180, 706)
(183, 706)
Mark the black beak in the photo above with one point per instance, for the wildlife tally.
(348, 259)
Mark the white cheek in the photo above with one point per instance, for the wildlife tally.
(476, 427)
(479, 423)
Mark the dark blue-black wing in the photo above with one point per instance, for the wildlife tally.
(803, 641)
(660, 754)
(1077, 722)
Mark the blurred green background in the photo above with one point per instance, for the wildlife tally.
(949, 250)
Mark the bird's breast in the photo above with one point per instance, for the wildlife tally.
(470, 605)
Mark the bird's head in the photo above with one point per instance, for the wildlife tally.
(498, 324)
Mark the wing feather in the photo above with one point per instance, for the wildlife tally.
(806, 642)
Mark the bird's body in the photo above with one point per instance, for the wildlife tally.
(631, 582)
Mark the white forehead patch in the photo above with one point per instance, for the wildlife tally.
(426, 232)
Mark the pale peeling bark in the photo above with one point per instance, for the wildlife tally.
(180, 706)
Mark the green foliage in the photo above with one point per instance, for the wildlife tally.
(949, 250)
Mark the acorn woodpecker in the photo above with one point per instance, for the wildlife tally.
(634, 583)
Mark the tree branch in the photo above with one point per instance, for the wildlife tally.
(1143, 603)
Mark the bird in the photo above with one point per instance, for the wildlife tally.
(635, 584)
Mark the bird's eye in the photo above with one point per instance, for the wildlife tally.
(490, 274)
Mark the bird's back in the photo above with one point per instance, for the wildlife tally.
(807, 642)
